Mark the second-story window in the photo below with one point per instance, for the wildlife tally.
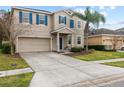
(79, 24)
(42, 19)
(62, 19)
(25, 17)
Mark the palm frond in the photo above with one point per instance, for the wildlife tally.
(79, 15)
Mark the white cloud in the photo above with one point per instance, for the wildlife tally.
(80, 10)
(112, 7)
(104, 13)
(101, 7)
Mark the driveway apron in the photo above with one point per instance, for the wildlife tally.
(53, 69)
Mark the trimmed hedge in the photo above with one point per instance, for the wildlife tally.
(97, 47)
(76, 49)
(6, 48)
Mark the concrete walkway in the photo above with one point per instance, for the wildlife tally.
(15, 72)
(54, 69)
(109, 60)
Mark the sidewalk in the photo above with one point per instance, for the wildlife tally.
(109, 60)
(15, 72)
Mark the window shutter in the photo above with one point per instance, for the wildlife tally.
(59, 19)
(37, 19)
(30, 18)
(71, 23)
(46, 20)
(65, 19)
(20, 17)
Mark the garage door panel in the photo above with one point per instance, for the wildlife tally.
(33, 44)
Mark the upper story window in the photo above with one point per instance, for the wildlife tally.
(79, 24)
(25, 17)
(71, 23)
(42, 19)
(79, 40)
(62, 19)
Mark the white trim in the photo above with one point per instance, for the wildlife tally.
(61, 29)
(62, 11)
(36, 11)
(34, 36)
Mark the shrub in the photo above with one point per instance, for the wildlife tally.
(91, 50)
(76, 49)
(6, 48)
(97, 47)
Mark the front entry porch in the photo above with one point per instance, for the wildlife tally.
(61, 39)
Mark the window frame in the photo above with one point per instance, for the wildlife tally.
(42, 18)
(63, 19)
(79, 38)
(25, 17)
(79, 24)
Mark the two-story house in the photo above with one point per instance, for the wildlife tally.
(48, 31)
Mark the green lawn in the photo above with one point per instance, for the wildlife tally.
(21, 80)
(8, 62)
(100, 55)
(116, 64)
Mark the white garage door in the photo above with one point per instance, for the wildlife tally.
(33, 44)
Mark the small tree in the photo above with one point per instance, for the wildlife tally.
(92, 17)
(11, 29)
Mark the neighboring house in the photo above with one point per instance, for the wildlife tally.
(48, 31)
(106, 37)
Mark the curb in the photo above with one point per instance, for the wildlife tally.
(15, 72)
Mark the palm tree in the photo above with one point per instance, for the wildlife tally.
(91, 17)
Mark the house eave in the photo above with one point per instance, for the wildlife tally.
(27, 9)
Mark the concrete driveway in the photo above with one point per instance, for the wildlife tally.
(54, 69)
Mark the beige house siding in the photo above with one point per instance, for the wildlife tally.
(42, 31)
(95, 40)
(39, 29)
(105, 40)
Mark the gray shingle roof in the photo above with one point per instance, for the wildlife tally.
(106, 31)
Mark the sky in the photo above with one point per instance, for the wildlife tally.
(114, 14)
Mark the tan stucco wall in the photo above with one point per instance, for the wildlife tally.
(105, 40)
(53, 23)
(39, 29)
(95, 40)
